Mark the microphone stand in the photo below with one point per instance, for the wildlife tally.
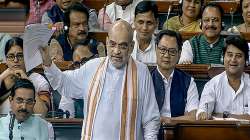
(169, 9)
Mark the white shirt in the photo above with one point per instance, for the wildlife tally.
(148, 56)
(34, 128)
(192, 96)
(186, 53)
(67, 104)
(220, 96)
(115, 11)
(76, 83)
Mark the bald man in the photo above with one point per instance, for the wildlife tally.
(118, 92)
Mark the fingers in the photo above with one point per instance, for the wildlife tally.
(20, 74)
(45, 56)
(203, 116)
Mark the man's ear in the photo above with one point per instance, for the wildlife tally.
(131, 47)
(10, 98)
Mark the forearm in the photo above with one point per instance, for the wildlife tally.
(41, 107)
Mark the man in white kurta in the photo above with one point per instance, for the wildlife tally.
(228, 94)
(145, 23)
(148, 56)
(107, 120)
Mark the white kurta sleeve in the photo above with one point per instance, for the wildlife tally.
(186, 53)
(192, 97)
(207, 100)
(151, 115)
(68, 83)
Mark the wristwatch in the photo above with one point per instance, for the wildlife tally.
(226, 114)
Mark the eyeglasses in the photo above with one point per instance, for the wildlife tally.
(19, 100)
(18, 56)
(77, 64)
(213, 19)
(170, 51)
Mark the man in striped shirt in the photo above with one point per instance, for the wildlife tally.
(205, 48)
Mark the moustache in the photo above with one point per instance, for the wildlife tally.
(211, 27)
(82, 33)
(23, 111)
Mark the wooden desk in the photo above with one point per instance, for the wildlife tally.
(67, 129)
(207, 130)
(198, 71)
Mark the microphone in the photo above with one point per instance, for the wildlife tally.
(11, 125)
(169, 9)
(206, 111)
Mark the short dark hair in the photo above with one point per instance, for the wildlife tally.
(12, 42)
(239, 42)
(214, 5)
(171, 34)
(22, 83)
(146, 6)
(91, 43)
(76, 7)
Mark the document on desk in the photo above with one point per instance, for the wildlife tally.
(230, 119)
(35, 36)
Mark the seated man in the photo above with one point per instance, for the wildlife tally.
(176, 92)
(119, 9)
(228, 94)
(20, 123)
(146, 21)
(84, 51)
(76, 19)
(16, 70)
(205, 48)
(56, 15)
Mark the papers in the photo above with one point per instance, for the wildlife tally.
(35, 36)
(229, 119)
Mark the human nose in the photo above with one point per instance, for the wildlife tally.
(15, 59)
(117, 50)
(144, 26)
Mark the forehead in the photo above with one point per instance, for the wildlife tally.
(211, 12)
(168, 41)
(15, 49)
(146, 16)
(76, 16)
(233, 49)
(119, 36)
(246, 2)
(24, 93)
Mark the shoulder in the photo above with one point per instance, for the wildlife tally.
(40, 121)
(36, 78)
(173, 19)
(142, 69)
(217, 79)
(182, 73)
